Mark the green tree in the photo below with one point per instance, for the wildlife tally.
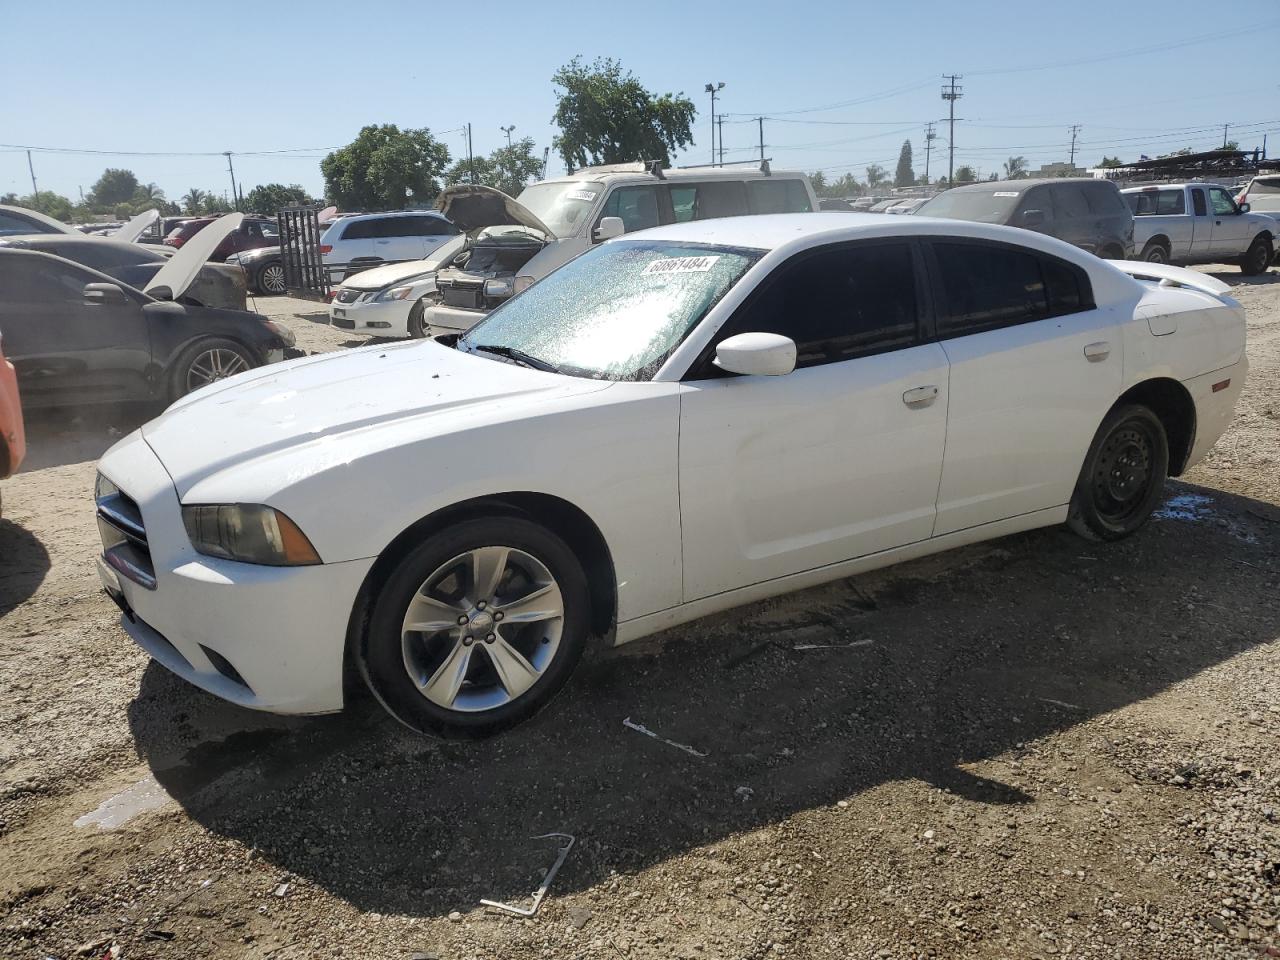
(904, 176)
(1109, 162)
(876, 175)
(385, 168)
(846, 186)
(513, 167)
(1015, 168)
(114, 187)
(193, 200)
(818, 180)
(46, 201)
(475, 170)
(269, 198)
(605, 115)
(214, 203)
(965, 174)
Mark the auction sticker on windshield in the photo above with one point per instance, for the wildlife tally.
(682, 265)
(587, 195)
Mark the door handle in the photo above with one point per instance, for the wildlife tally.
(1096, 352)
(918, 397)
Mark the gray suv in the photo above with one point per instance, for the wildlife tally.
(1088, 213)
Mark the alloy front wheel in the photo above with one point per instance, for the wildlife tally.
(271, 279)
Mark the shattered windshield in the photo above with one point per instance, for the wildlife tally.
(563, 207)
(615, 312)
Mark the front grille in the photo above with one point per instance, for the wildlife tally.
(346, 295)
(124, 538)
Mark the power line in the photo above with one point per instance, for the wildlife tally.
(951, 93)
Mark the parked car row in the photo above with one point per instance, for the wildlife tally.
(649, 399)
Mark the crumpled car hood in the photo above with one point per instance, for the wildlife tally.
(273, 411)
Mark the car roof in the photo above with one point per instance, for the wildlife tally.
(1020, 185)
(597, 175)
(349, 218)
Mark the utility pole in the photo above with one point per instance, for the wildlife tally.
(929, 137)
(720, 122)
(31, 167)
(1225, 128)
(507, 131)
(471, 160)
(951, 93)
(713, 89)
(1075, 129)
(760, 120)
(235, 195)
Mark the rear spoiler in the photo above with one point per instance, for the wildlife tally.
(1170, 276)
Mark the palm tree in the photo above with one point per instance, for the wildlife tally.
(1015, 168)
(148, 192)
(194, 199)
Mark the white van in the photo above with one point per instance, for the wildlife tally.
(567, 216)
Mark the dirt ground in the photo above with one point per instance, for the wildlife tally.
(1036, 747)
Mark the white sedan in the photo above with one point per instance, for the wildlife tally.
(676, 422)
(387, 301)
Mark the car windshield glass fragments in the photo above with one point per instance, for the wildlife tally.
(563, 207)
(616, 312)
(980, 205)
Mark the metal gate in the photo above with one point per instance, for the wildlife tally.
(305, 273)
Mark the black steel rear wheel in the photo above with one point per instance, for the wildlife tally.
(1123, 475)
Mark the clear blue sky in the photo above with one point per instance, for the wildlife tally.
(197, 77)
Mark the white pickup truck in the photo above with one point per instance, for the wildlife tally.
(1199, 223)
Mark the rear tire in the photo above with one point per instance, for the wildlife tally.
(1257, 258)
(269, 280)
(477, 629)
(1123, 475)
(1155, 253)
(205, 362)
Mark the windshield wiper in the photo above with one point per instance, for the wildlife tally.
(519, 356)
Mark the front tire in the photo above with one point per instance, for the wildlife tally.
(417, 321)
(206, 362)
(476, 629)
(1257, 258)
(1123, 475)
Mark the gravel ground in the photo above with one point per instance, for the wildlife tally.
(1036, 747)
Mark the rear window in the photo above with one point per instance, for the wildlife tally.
(1262, 186)
(1151, 203)
(778, 196)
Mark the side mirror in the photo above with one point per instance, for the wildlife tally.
(102, 294)
(1244, 208)
(1032, 218)
(757, 355)
(610, 227)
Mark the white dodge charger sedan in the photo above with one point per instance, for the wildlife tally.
(676, 422)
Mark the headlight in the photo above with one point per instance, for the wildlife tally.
(234, 258)
(281, 331)
(104, 488)
(523, 283)
(499, 289)
(248, 532)
(395, 293)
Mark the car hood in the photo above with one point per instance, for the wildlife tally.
(271, 412)
(472, 207)
(136, 227)
(173, 279)
(380, 277)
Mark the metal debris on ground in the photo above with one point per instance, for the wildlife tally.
(641, 728)
(744, 793)
(543, 887)
(833, 646)
(1060, 703)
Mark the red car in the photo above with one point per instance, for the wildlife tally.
(254, 232)
(13, 439)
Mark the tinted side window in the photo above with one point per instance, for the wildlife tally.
(705, 201)
(44, 280)
(1069, 201)
(101, 256)
(637, 206)
(1067, 289)
(439, 227)
(777, 196)
(1169, 202)
(988, 286)
(14, 223)
(837, 303)
(1197, 201)
(359, 230)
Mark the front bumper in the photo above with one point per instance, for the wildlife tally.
(268, 638)
(371, 319)
(443, 319)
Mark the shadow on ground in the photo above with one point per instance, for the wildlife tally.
(24, 562)
(63, 435)
(967, 656)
